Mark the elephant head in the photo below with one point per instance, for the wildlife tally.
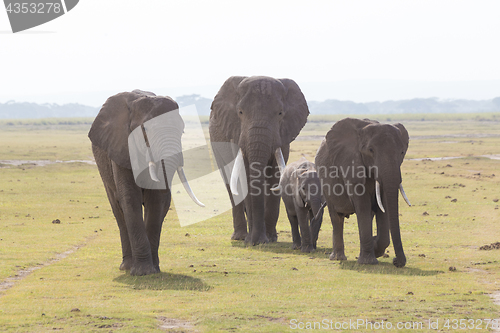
(142, 132)
(374, 152)
(261, 115)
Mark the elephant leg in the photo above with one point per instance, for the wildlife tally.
(239, 220)
(272, 209)
(364, 216)
(294, 224)
(255, 207)
(120, 219)
(338, 252)
(258, 228)
(105, 170)
(382, 240)
(129, 196)
(305, 231)
(156, 205)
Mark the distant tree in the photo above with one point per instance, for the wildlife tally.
(202, 104)
(333, 106)
(496, 103)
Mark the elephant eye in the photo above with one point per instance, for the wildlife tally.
(371, 150)
(280, 113)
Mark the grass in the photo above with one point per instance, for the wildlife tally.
(214, 284)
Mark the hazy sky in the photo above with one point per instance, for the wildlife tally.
(357, 50)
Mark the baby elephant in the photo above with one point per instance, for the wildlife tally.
(301, 192)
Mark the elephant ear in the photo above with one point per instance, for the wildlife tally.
(223, 116)
(296, 112)
(404, 135)
(343, 145)
(121, 114)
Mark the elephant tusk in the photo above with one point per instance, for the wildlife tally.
(379, 200)
(238, 165)
(182, 177)
(152, 167)
(320, 211)
(277, 188)
(152, 172)
(278, 154)
(404, 194)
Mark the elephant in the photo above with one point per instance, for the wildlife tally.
(252, 122)
(136, 142)
(300, 189)
(359, 165)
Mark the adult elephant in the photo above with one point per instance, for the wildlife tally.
(259, 116)
(359, 165)
(137, 148)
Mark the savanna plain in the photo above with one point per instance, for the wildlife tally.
(60, 247)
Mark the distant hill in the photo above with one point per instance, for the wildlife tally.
(16, 110)
(416, 105)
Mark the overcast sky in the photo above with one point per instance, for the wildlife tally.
(347, 50)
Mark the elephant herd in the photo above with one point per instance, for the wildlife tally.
(252, 122)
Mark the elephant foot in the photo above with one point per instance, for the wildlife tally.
(139, 269)
(399, 261)
(296, 246)
(126, 264)
(256, 239)
(273, 238)
(379, 251)
(307, 248)
(239, 235)
(337, 256)
(367, 260)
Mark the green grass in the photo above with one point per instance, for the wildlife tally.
(216, 284)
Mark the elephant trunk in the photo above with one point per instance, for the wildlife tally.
(172, 165)
(390, 195)
(258, 153)
(259, 145)
(316, 216)
(169, 166)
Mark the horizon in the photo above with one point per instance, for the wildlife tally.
(91, 98)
